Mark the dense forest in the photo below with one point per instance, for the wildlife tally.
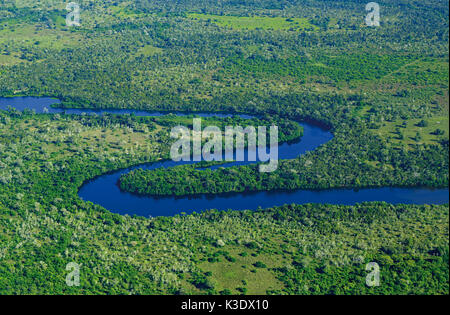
(332, 166)
(382, 92)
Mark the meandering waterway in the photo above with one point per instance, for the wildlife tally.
(104, 190)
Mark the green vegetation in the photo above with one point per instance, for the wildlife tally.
(255, 22)
(377, 167)
(399, 133)
(383, 92)
(313, 250)
(348, 68)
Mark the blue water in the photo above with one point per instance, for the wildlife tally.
(43, 105)
(105, 192)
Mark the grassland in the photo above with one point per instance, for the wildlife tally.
(10, 60)
(120, 11)
(255, 22)
(148, 50)
(235, 269)
(409, 130)
(67, 138)
(34, 35)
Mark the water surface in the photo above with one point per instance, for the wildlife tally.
(104, 190)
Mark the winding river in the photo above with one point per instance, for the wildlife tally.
(104, 191)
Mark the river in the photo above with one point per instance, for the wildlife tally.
(104, 190)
